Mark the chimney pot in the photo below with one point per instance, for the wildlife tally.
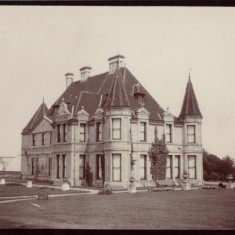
(115, 61)
(69, 78)
(85, 73)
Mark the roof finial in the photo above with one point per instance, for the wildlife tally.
(189, 76)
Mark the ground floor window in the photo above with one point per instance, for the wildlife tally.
(192, 166)
(82, 166)
(143, 162)
(57, 166)
(116, 163)
(49, 166)
(169, 167)
(98, 166)
(177, 166)
(33, 165)
(64, 166)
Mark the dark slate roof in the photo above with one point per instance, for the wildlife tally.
(117, 96)
(190, 106)
(97, 88)
(36, 119)
(95, 91)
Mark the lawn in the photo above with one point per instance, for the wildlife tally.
(202, 209)
(12, 191)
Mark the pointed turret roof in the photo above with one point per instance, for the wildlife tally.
(117, 96)
(190, 106)
(37, 117)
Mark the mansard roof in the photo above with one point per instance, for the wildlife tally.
(37, 117)
(190, 106)
(95, 91)
(117, 97)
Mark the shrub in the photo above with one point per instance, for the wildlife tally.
(89, 175)
(14, 184)
(107, 190)
(158, 154)
(104, 191)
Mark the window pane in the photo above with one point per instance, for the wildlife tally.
(57, 166)
(142, 131)
(191, 134)
(168, 167)
(143, 167)
(81, 166)
(177, 166)
(98, 167)
(192, 167)
(82, 132)
(116, 167)
(116, 123)
(116, 128)
(168, 133)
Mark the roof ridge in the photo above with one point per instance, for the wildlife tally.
(117, 96)
(36, 114)
(103, 83)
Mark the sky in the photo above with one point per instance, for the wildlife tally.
(40, 44)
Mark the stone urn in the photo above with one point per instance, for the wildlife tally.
(185, 176)
(132, 187)
(185, 185)
(230, 184)
(29, 184)
(65, 187)
(2, 181)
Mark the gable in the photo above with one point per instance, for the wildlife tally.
(43, 126)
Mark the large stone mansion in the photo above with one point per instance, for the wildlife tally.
(111, 114)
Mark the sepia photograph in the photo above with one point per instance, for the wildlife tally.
(117, 117)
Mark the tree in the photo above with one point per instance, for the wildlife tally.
(158, 155)
(215, 168)
(228, 166)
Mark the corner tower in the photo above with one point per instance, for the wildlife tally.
(191, 117)
(117, 115)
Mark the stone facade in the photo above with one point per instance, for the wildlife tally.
(64, 142)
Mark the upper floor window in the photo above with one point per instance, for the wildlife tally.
(64, 132)
(168, 133)
(98, 132)
(82, 132)
(58, 133)
(34, 140)
(43, 138)
(142, 131)
(116, 128)
(51, 138)
(191, 133)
